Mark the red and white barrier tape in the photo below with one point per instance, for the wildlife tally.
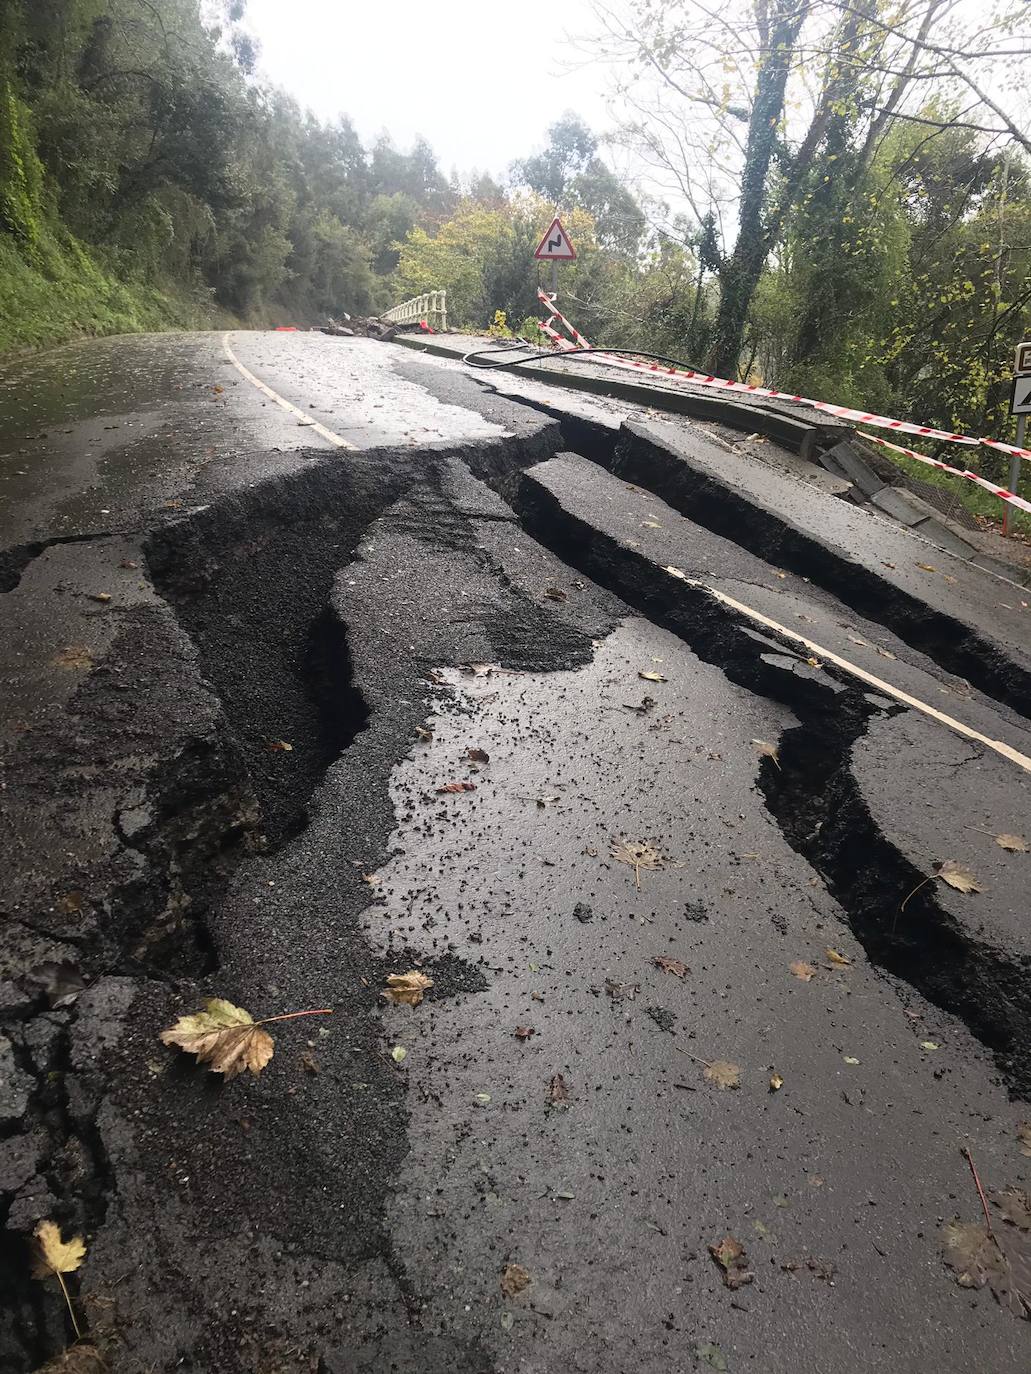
(1000, 492)
(725, 384)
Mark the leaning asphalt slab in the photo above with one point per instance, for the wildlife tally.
(390, 682)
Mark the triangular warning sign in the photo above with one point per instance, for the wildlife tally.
(555, 245)
(1021, 400)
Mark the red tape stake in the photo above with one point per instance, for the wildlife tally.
(840, 412)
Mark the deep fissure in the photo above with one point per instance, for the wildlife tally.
(829, 825)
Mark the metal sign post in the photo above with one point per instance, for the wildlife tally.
(1020, 406)
(555, 247)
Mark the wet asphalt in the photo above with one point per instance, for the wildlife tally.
(357, 1210)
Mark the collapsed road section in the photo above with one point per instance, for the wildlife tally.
(691, 988)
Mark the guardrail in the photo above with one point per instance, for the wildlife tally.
(433, 303)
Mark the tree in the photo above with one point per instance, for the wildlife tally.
(736, 108)
(569, 173)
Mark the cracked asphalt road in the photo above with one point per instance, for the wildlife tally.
(192, 579)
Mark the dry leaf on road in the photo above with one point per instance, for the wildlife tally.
(279, 746)
(637, 854)
(423, 734)
(951, 872)
(406, 989)
(652, 677)
(806, 972)
(555, 594)
(222, 1036)
(834, 957)
(514, 1278)
(768, 750)
(722, 1074)
(957, 876)
(977, 1256)
(1024, 1138)
(731, 1257)
(457, 787)
(61, 981)
(1016, 844)
(558, 1091)
(523, 1032)
(477, 755)
(54, 1257)
(675, 966)
(776, 1082)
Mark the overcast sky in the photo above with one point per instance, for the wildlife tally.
(481, 80)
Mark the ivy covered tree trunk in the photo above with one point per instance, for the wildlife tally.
(740, 271)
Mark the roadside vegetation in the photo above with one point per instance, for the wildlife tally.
(827, 197)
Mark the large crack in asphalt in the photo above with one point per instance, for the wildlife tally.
(812, 793)
(259, 583)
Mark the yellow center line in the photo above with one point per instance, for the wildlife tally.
(309, 423)
(828, 656)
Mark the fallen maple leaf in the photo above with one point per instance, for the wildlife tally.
(224, 1036)
(730, 1255)
(457, 787)
(558, 1091)
(806, 972)
(637, 854)
(722, 1074)
(768, 750)
(477, 755)
(406, 989)
(514, 1278)
(978, 1257)
(55, 1257)
(776, 1082)
(1016, 844)
(835, 958)
(62, 982)
(652, 677)
(957, 876)
(675, 966)
(951, 872)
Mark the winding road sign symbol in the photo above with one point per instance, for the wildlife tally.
(555, 245)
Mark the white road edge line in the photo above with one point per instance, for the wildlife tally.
(1006, 750)
(309, 423)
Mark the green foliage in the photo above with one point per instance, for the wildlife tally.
(21, 173)
(132, 142)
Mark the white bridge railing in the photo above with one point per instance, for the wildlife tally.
(432, 304)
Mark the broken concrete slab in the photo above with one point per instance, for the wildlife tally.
(880, 570)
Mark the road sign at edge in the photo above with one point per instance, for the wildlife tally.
(555, 245)
(1020, 400)
(1022, 362)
